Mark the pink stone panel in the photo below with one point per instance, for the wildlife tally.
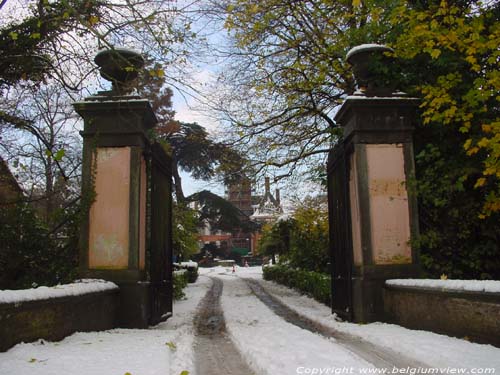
(389, 210)
(142, 216)
(355, 213)
(109, 215)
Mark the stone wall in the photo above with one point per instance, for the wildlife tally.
(471, 315)
(55, 318)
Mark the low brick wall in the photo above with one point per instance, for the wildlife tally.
(472, 315)
(55, 318)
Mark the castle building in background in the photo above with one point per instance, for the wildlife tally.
(259, 209)
(269, 207)
(240, 195)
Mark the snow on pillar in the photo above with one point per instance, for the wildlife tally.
(378, 148)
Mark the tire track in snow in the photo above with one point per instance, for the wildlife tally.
(379, 357)
(215, 353)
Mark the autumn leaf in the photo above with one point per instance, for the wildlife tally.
(171, 345)
(93, 20)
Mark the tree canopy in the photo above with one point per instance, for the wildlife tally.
(192, 148)
(44, 40)
(220, 213)
(288, 73)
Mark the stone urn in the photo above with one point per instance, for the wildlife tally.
(120, 66)
(372, 69)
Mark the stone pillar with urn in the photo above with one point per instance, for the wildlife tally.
(373, 210)
(113, 236)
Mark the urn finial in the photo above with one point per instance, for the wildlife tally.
(120, 66)
(371, 69)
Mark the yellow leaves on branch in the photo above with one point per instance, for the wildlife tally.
(157, 73)
(490, 143)
(471, 37)
(438, 104)
(93, 20)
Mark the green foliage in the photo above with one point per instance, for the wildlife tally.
(446, 53)
(220, 213)
(29, 256)
(453, 240)
(289, 75)
(275, 238)
(189, 144)
(451, 52)
(192, 272)
(180, 279)
(309, 239)
(314, 284)
(184, 231)
(195, 152)
(302, 240)
(23, 45)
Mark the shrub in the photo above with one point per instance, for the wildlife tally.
(180, 282)
(301, 241)
(192, 270)
(28, 254)
(314, 284)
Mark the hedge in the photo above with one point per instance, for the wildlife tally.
(191, 268)
(314, 284)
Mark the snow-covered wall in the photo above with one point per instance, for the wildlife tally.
(54, 313)
(466, 309)
(489, 286)
(80, 287)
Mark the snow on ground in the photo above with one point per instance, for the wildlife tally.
(117, 351)
(490, 286)
(79, 287)
(181, 327)
(268, 343)
(254, 272)
(110, 352)
(433, 349)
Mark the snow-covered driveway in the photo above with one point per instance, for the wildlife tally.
(272, 346)
(267, 342)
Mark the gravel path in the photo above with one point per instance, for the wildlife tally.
(215, 353)
(378, 356)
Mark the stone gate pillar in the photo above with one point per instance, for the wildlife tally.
(113, 236)
(378, 149)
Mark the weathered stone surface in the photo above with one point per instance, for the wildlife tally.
(475, 316)
(55, 318)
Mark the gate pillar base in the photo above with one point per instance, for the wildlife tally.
(367, 286)
(135, 305)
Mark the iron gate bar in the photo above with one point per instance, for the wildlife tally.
(160, 262)
(340, 231)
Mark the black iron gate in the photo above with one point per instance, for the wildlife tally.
(160, 234)
(340, 231)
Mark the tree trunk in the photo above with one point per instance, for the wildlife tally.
(177, 182)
